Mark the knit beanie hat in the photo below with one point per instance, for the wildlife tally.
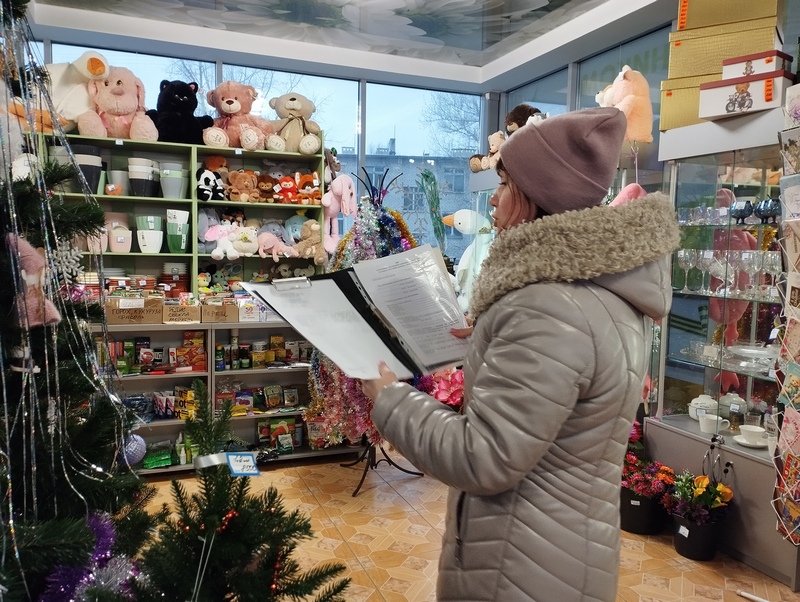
(566, 162)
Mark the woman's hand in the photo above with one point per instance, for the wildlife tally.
(371, 388)
(463, 333)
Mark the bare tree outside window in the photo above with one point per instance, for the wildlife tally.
(453, 123)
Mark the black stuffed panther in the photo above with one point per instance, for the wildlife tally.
(174, 113)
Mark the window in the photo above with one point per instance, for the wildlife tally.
(414, 199)
(453, 179)
(548, 94)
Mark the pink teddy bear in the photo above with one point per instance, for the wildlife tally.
(341, 197)
(267, 242)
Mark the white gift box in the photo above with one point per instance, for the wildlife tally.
(756, 64)
(790, 196)
(733, 97)
(791, 107)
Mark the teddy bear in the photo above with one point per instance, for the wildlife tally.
(294, 129)
(243, 187)
(489, 161)
(631, 95)
(174, 113)
(118, 108)
(245, 241)
(340, 197)
(518, 116)
(66, 84)
(236, 126)
(269, 243)
(266, 188)
(307, 271)
(209, 185)
(605, 97)
(310, 245)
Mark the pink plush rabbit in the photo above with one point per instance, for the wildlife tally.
(33, 306)
(340, 197)
(267, 242)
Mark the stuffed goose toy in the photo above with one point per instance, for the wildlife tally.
(470, 223)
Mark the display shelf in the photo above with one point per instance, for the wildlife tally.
(139, 254)
(248, 371)
(176, 375)
(161, 423)
(728, 365)
(250, 325)
(96, 327)
(130, 199)
(769, 301)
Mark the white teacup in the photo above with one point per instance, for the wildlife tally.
(752, 434)
(710, 423)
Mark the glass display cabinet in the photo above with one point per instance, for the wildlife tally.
(720, 340)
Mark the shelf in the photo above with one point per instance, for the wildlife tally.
(130, 199)
(696, 294)
(246, 371)
(728, 364)
(730, 226)
(300, 453)
(160, 423)
(95, 327)
(110, 254)
(262, 205)
(171, 148)
(249, 325)
(138, 377)
(256, 155)
(686, 424)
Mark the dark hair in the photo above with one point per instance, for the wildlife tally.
(541, 212)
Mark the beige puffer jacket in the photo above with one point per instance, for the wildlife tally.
(553, 378)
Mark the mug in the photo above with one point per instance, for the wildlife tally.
(709, 423)
(752, 419)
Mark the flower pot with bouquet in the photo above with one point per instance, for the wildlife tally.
(699, 506)
(644, 483)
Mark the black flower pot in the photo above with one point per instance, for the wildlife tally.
(641, 515)
(696, 542)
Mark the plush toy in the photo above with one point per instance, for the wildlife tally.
(243, 187)
(518, 116)
(267, 188)
(308, 189)
(236, 126)
(269, 243)
(245, 241)
(209, 185)
(118, 108)
(307, 271)
(631, 95)
(207, 218)
(277, 228)
(310, 245)
(288, 190)
(294, 129)
(483, 162)
(174, 113)
(24, 166)
(294, 225)
(222, 234)
(34, 308)
(68, 93)
(340, 197)
(280, 270)
(631, 192)
(605, 97)
(252, 222)
(332, 165)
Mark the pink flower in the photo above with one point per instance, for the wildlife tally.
(449, 387)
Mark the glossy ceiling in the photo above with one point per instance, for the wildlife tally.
(464, 32)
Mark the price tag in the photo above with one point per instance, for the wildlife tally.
(120, 239)
(746, 255)
(710, 350)
(708, 254)
(723, 211)
(700, 411)
(773, 373)
(125, 303)
(118, 142)
(734, 407)
(683, 531)
(636, 503)
(774, 334)
(243, 464)
(238, 151)
(773, 292)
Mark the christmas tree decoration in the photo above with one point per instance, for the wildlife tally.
(224, 543)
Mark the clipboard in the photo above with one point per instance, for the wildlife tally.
(336, 314)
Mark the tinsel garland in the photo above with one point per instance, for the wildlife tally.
(376, 232)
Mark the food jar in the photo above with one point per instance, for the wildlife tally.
(702, 402)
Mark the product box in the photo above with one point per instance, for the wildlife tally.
(791, 108)
(315, 433)
(248, 312)
(185, 403)
(280, 426)
(701, 51)
(305, 350)
(790, 153)
(273, 395)
(292, 351)
(181, 314)
(680, 101)
(790, 196)
(754, 64)
(126, 310)
(704, 13)
(192, 356)
(734, 97)
(219, 313)
(262, 430)
(276, 341)
(221, 397)
(290, 397)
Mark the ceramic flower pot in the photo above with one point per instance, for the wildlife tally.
(641, 515)
(696, 542)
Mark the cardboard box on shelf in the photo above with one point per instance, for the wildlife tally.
(701, 51)
(734, 97)
(315, 434)
(192, 356)
(705, 13)
(126, 310)
(248, 312)
(680, 101)
(219, 313)
(181, 314)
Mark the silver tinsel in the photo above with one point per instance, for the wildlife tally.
(67, 259)
(112, 578)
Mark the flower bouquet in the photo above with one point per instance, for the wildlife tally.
(644, 482)
(698, 505)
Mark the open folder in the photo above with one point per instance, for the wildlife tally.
(398, 309)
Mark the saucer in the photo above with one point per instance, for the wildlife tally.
(743, 442)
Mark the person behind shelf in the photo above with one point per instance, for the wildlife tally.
(563, 310)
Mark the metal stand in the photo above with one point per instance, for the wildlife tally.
(370, 454)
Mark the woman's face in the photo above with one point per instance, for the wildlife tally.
(511, 207)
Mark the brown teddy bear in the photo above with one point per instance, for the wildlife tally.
(243, 187)
(294, 129)
(518, 116)
(631, 95)
(236, 126)
(119, 111)
(310, 245)
(266, 187)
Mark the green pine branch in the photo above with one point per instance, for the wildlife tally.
(427, 183)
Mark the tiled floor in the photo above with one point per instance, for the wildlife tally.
(389, 538)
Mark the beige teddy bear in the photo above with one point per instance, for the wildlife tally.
(631, 95)
(483, 162)
(243, 187)
(310, 245)
(294, 129)
(236, 126)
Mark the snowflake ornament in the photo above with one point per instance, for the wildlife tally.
(67, 260)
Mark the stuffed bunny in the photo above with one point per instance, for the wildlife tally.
(341, 197)
(33, 306)
(119, 110)
(222, 234)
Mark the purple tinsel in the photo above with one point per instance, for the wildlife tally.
(63, 580)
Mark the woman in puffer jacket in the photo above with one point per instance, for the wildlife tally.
(563, 309)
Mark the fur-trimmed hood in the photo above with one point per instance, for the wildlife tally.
(624, 249)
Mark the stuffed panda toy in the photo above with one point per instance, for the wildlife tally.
(209, 185)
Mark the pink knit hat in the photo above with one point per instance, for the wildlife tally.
(566, 162)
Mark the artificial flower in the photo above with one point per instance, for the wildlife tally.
(701, 499)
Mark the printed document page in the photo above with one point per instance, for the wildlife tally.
(414, 293)
(325, 317)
